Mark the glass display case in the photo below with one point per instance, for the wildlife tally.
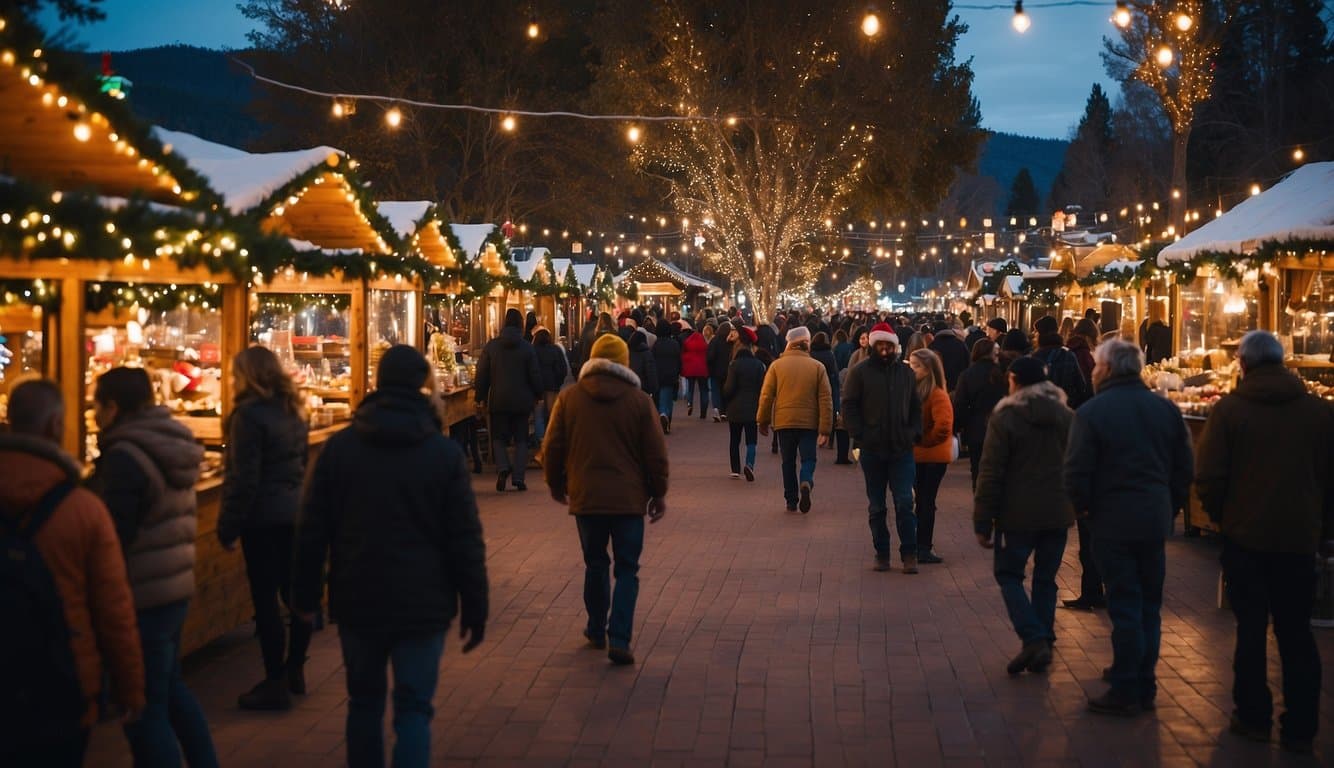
(173, 333)
(1215, 313)
(1306, 322)
(390, 320)
(310, 334)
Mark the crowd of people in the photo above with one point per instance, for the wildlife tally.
(1060, 431)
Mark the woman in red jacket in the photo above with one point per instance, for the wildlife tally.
(695, 369)
(936, 451)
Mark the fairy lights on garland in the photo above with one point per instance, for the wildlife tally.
(154, 297)
(34, 293)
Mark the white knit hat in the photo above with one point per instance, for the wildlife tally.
(798, 334)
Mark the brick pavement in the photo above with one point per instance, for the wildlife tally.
(764, 638)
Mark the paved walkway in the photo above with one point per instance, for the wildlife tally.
(763, 637)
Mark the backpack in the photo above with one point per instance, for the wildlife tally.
(41, 697)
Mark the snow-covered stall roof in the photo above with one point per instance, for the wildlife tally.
(243, 179)
(677, 275)
(535, 260)
(404, 215)
(1301, 207)
(558, 269)
(584, 274)
(472, 236)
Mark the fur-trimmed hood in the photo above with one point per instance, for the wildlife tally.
(604, 379)
(1041, 403)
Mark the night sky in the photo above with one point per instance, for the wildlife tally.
(1033, 84)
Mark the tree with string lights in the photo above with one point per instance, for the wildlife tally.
(1170, 47)
(809, 111)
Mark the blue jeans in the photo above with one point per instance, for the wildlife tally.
(716, 393)
(667, 399)
(626, 534)
(172, 715)
(1133, 573)
(736, 430)
(1034, 619)
(416, 660)
(790, 443)
(700, 383)
(897, 472)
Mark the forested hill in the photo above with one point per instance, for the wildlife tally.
(205, 93)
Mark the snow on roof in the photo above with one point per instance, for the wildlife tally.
(528, 267)
(559, 267)
(305, 246)
(584, 274)
(403, 215)
(472, 236)
(244, 179)
(1301, 207)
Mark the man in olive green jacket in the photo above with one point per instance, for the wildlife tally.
(1021, 495)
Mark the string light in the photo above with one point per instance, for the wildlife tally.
(1184, 22)
(633, 134)
(82, 131)
(1164, 56)
(1298, 154)
(1020, 22)
(871, 24)
(508, 123)
(393, 118)
(533, 30)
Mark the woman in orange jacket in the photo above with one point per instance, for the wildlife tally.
(936, 451)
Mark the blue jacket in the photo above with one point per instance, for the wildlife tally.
(1129, 463)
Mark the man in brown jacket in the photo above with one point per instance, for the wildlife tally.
(604, 455)
(79, 548)
(797, 400)
(1264, 472)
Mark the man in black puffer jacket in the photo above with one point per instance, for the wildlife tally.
(553, 364)
(641, 360)
(391, 504)
(667, 359)
(509, 384)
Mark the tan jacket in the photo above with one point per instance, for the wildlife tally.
(604, 450)
(80, 548)
(796, 394)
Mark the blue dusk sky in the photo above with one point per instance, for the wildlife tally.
(1033, 84)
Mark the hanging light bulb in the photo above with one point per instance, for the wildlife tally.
(1298, 154)
(871, 24)
(1184, 22)
(1255, 190)
(508, 123)
(1020, 22)
(1164, 56)
(393, 118)
(533, 30)
(633, 134)
(1121, 16)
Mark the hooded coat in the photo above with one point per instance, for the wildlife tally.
(80, 548)
(604, 450)
(391, 504)
(642, 362)
(146, 476)
(1020, 479)
(509, 379)
(741, 390)
(694, 355)
(1266, 464)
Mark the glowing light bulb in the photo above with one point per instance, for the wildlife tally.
(1165, 57)
(871, 25)
(508, 123)
(1298, 154)
(1020, 22)
(534, 31)
(1255, 190)
(338, 109)
(82, 131)
(1184, 22)
(393, 118)
(633, 134)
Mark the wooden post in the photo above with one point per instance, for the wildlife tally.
(358, 346)
(417, 317)
(1174, 316)
(72, 363)
(235, 336)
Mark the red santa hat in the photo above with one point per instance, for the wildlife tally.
(882, 332)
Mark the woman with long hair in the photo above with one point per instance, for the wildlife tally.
(917, 341)
(861, 348)
(267, 444)
(934, 454)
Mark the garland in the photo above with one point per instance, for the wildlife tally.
(34, 293)
(302, 182)
(158, 298)
(294, 303)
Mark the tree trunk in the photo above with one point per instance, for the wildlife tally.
(1177, 202)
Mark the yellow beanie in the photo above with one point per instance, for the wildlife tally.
(610, 346)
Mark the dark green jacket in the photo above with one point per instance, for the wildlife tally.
(1266, 464)
(1020, 480)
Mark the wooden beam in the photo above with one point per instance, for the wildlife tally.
(358, 349)
(73, 361)
(235, 337)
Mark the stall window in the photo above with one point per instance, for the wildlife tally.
(389, 320)
(23, 317)
(309, 334)
(1307, 318)
(1215, 314)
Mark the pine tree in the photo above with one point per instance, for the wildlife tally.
(1024, 199)
(1084, 179)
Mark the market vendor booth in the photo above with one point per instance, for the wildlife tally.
(1104, 282)
(1264, 264)
(658, 282)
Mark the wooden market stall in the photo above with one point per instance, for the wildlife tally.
(661, 282)
(1096, 285)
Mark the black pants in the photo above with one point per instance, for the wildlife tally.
(927, 485)
(1260, 585)
(975, 461)
(268, 565)
(841, 441)
(1090, 581)
(734, 443)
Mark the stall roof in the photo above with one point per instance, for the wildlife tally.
(1300, 207)
(51, 137)
(1103, 256)
(404, 215)
(472, 236)
(674, 274)
(584, 274)
(243, 179)
(559, 267)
